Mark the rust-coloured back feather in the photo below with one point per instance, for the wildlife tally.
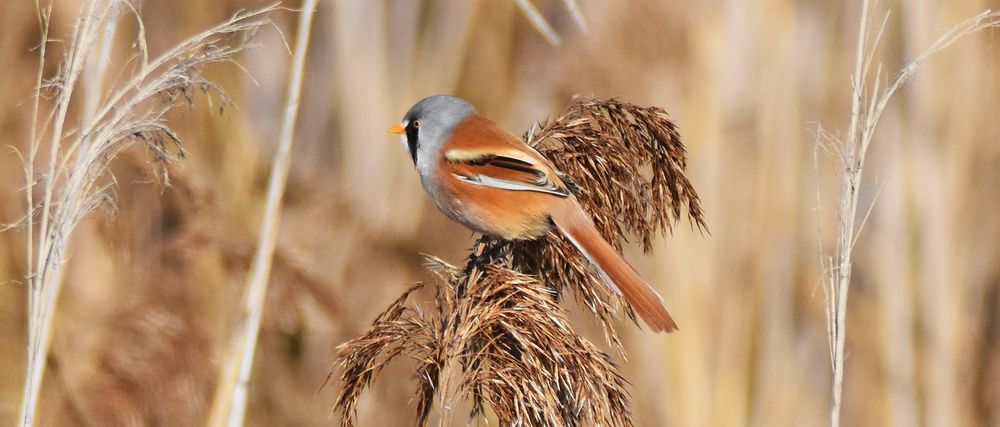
(571, 220)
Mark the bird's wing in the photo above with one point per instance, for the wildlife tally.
(505, 168)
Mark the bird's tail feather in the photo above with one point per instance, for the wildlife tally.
(574, 223)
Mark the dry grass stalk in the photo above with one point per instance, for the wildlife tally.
(574, 10)
(538, 21)
(527, 7)
(229, 407)
(496, 335)
(131, 112)
(870, 96)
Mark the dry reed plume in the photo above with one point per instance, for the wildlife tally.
(869, 97)
(130, 111)
(495, 334)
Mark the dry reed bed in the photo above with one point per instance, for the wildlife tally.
(744, 82)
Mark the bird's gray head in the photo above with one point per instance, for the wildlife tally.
(430, 122)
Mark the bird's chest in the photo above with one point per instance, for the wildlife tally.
(441, 187)
(496, 212)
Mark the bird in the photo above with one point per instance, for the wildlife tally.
(482, 176)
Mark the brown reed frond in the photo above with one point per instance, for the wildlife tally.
(496, 335)
(522, 359)
(395, 332)
(627, 164)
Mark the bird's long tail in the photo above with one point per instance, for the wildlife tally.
(574, 223)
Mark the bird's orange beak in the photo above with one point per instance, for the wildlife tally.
(397, 129)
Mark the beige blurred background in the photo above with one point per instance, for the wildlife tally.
(152, 286)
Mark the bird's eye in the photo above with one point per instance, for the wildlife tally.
(416, 124)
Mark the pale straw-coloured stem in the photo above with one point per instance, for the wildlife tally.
(868, 100)
(78, 159)
(229, 406)
(538, 21)
(45, 275)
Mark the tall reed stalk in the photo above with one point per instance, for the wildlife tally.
(868, 101)
(74, 177)
(229, 405)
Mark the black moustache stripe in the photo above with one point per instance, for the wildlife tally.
(411, 142)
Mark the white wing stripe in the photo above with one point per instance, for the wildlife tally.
(489, 181)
